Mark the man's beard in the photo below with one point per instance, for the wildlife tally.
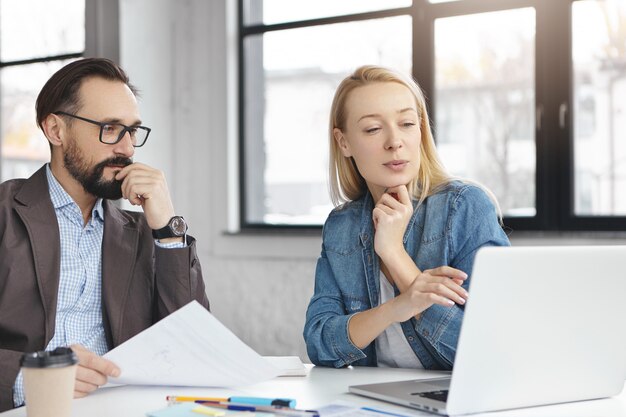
(91, 178)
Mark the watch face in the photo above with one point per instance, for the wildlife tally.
(178, 225)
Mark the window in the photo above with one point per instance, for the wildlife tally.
(485, 99)
(599, 56)
(526, 97)
(37, 38)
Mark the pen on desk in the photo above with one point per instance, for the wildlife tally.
(177, 398)
(284, 411)
(281, 402)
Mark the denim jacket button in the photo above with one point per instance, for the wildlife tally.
(352, 355)
(410, 338)
(425, 332)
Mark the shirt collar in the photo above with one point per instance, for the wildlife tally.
(60, 198)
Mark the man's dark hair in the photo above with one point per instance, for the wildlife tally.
(60, 93)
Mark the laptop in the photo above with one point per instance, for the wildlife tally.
(542, 325)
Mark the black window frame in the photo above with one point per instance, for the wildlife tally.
(554, 90)
(102, 38)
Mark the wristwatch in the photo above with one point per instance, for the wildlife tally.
(176, 227)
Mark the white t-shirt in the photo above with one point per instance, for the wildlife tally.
(392, 348)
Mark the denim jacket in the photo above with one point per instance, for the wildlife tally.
(446, 229)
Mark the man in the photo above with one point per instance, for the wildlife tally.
(75, 269)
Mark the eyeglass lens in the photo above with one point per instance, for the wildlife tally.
(113, 133)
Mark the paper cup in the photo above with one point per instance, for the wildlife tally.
(49, 382)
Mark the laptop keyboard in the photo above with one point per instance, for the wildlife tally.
(440, 395)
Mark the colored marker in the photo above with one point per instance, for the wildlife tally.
(277, 402)
(280, 402)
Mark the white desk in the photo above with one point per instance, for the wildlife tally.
(322, 386)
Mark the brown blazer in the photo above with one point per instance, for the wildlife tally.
(141, 283)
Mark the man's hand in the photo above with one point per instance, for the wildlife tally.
(146, 187)
(92, 372)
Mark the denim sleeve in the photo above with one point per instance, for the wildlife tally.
(326, 326)
(472, 224)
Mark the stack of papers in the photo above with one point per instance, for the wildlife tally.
(190, 347)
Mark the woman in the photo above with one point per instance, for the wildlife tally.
(397, 256)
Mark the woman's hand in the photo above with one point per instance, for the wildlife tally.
(434, 286)
(391, 215)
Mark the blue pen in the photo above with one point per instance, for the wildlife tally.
(281, 402)
(279, 410)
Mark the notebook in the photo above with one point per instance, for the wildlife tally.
(542, 325)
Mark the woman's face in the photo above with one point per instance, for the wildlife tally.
(382, 133)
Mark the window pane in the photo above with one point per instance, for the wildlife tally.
(24, 147)
(599, 54)
(290, 80)
(484, 95)
(279, 11)
(38, 28)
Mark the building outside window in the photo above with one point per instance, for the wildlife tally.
(37, 37)
(526, 97)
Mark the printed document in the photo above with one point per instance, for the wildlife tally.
(190, 347)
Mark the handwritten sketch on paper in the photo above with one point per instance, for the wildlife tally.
(190, 347)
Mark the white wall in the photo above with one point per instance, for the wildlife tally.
(175, 52)
(181, 54)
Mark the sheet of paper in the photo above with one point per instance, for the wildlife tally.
(190, 347)
(348, 409)
(288, 365)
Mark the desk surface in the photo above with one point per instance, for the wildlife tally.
(322, 386)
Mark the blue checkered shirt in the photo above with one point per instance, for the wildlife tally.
(79, 312)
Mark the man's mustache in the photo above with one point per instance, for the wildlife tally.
(117, 161)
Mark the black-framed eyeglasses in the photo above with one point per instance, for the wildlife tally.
(111, 133)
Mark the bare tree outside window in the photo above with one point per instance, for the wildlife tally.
(484, 98)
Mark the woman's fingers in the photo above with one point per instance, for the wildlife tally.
(443, 285)
(402, 194)
(448, 271)
(450, 292)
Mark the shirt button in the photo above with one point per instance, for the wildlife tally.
(426, 333)
(352, 355)
(410, 338)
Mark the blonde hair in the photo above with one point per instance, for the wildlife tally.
(346, 183)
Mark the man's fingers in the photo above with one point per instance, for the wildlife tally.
(90, 377)
(82, 388)
(90, 360)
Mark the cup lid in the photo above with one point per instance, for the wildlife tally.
(61, 356)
